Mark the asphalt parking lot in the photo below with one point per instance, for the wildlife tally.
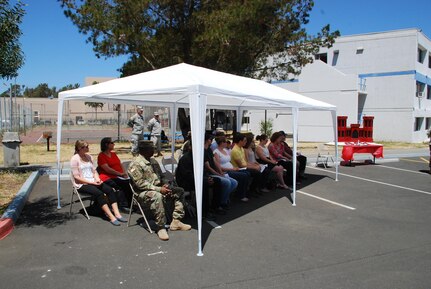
(371, 229)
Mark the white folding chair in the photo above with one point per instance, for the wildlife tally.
(135, 202)
(323, 156)
(75, 192)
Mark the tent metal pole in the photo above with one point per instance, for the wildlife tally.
(173, 116)
(198, 104)
(295, 138)
(59, 124)
(335, 125)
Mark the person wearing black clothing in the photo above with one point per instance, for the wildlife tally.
(301, 159)
(185, 178)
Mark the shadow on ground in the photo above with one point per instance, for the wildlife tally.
(43, 212)
(239, 209)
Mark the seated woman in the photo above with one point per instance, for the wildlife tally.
(227, 184)
(239, 160)
(112, 172)
(223, 160)
(86, 180)
(263, 157)
(276, 151)
(250, 156)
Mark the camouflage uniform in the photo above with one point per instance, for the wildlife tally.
(155, 127)
(148, 185)
(136, 122)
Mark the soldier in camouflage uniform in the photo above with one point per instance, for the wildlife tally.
(136, 122)
(153, 194)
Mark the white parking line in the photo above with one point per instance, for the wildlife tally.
(377, 182)
(325, 200)
(425, 160)
(404, 170)
(214, 224)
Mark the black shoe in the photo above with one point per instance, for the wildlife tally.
(210, 217)
(124, 210)
(220, 211)
(225, 207)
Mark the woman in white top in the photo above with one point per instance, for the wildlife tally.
(263, 157)
(86, 180)
(222, 159)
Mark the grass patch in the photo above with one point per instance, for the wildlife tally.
(36, 154)
(10, 183)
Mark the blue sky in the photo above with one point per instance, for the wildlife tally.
(57, 54)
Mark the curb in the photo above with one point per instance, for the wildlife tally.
(13, 211)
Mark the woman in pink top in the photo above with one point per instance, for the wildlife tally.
(86, 180)
(264, 157)
(276, 151)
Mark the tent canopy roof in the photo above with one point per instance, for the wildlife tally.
(176, 84)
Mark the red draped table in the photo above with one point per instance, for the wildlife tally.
(350, 148)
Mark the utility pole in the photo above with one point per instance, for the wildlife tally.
(10, 112)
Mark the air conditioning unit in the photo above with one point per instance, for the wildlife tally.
(420, 94)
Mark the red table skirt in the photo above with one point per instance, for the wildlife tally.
(348, 150)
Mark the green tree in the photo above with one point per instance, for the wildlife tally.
(11, 55)
(266, 126)
(67, 87)
(255, 38)
(95, 105)
(226, 35)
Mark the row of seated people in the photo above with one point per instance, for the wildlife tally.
(225, 169)
(111, 186)
(237, 169)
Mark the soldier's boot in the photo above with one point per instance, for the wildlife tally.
(163, 235)
(177, 225)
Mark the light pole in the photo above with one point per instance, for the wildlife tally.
(10, 112)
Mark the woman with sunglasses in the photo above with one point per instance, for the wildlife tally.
(112, 172)
(86, 180)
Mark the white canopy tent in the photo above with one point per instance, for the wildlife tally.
(198, 88)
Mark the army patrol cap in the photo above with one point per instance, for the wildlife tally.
(139, 107)
(145, 145)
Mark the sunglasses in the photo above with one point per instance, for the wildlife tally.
(84, 147)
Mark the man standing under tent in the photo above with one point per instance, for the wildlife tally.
(153, 194)
(136, 122)
(155, 129)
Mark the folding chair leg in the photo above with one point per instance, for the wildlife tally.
(71, 203)
(86, 214)
(142, 212)
(145, 218)
(82, 203)
(130, 212)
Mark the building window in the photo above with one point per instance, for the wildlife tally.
(418, 123)
(360, 50)
(322, 57)
(420, 89)
(428, 123)
(421, 54)
(36, 116)
(428, 92)
(429, 60)
(335, 57)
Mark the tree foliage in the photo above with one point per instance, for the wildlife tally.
(11, 55)
(258, 38)
(43, 90)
